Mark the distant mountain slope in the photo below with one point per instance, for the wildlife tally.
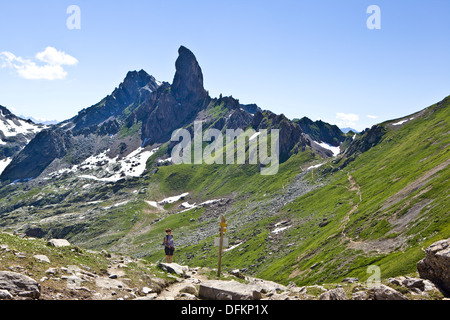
(321, 131)
(15, 133)
(348, 129)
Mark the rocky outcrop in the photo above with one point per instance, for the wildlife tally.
(321, 131)
(228, 290)
(290, 134)
(383, 292)
(414, 285)
(174, 268)
(334, 294)
(87, 133)
(19, 285)
(173, 106)
(368, 139)
(48, 145)
(187, 83)
(135, 88)
(436, 264)
(58, 243)
(15, 133)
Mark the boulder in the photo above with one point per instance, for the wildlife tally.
(58, 243)
(265, 286)
(350, 280)
(396, 281)
(174, 268)
(334, 294)
(436, 265)
(42, 258)
(360, 295)
(237, 273)
(19, 285)
(383, 292)
(190, 289)
(228, 290)
(411, 283)
(5, 295)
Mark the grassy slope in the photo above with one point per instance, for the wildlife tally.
(404, 156)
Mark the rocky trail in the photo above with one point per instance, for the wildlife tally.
(379, 246)
(184, 283)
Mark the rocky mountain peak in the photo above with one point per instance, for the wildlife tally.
(136, 80)
(15, 133)
(135, 88)
(188, 80)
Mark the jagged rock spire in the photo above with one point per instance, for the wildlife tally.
(188, 80)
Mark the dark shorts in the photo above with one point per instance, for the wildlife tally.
(169, 251)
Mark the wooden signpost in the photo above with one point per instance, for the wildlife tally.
(222, 229)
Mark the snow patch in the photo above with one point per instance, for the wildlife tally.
(400, 122)
(192, 206)
(133, 165)
(173, 199)
(12, 128)
(315, 166)
(233, 247)
(152, 203)
(254, 136)
(117, 204)
(4, 163)
(278, 230)
(187, 205)
(335, 150)
(165, 160)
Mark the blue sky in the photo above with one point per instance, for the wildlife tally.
(301, 58)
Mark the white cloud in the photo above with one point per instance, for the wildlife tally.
(371, 116)
(28, 69)
(54, 57)
(346, 119)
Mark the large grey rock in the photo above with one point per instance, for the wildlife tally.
(19, 285)
(411, 283)
(360, 295)
(383, 292)
(265, 286)
(174, 268)
(334, 294)
(189, 289)
(58, 243)
(5, 295)
(436, 264)
(42, 258)
(228, 290)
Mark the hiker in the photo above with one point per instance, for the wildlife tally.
(168, 245)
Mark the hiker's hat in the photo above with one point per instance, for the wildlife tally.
(168, 230)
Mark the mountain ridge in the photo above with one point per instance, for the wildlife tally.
(143, 108)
